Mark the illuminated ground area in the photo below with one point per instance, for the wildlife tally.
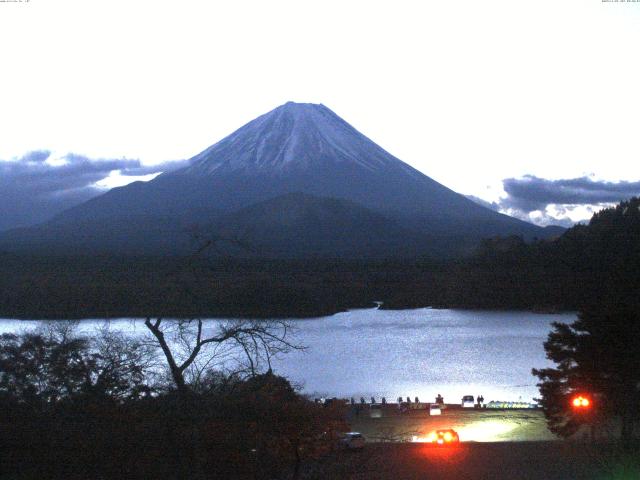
(555, 460)
(471, 425)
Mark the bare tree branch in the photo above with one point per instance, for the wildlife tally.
(256, 339)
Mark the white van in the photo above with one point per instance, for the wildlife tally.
(468, 401)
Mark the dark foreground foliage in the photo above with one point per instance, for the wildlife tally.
(68, 411)
(259, 429)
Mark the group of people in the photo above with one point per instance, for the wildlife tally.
(439, 400)
(479, 400)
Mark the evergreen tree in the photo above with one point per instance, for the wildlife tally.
(599, 353)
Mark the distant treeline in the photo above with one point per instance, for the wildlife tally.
(96, 287)
(504, 273)
(80, 287)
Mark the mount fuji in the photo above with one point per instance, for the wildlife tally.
(296, 181)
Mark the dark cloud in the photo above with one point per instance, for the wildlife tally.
(33, 190)
(528, 197)
(542, 219)
(531, 193)
(36, 156)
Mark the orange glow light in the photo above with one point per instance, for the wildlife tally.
(443, 454)
(580, 402)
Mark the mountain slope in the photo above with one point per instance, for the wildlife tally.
(296, 224)
(123, 234)
(296, 148)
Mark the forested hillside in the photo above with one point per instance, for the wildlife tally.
(588, 261)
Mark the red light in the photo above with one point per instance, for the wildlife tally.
(580, 402)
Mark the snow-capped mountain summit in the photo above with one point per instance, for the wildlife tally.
(303, 147)
(294, 136)
(297, 153)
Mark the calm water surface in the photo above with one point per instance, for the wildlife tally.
(419, 352)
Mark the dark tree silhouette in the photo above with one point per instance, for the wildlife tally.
(600, 352)
(282, 427)
(192, 347)
(40, 370)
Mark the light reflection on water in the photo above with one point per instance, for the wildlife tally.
(393, 353)
(421, 353)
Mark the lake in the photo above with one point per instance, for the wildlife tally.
(420, 352)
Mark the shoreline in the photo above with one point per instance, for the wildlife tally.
(282, 315)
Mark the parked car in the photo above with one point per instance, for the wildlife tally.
(444, 437)
(352, 441)
(468, 401)
(435, 409)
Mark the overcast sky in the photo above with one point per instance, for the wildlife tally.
(508, 101)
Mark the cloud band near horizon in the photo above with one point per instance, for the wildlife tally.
(530, 198)
(37, 186)
(531, 193)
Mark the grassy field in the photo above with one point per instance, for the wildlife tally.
(476, 425)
